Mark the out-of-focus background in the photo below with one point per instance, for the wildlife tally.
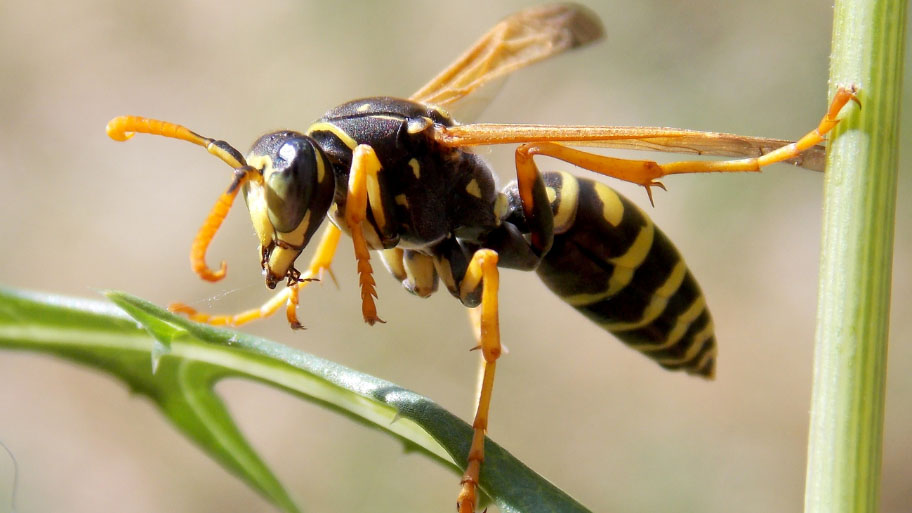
(82, 213)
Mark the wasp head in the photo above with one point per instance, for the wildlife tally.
(290, 203)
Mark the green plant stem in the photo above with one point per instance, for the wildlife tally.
(846, 431)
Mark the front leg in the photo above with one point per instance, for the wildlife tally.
(288, 296)
(364, 189)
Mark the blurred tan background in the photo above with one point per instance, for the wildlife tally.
(82, 213)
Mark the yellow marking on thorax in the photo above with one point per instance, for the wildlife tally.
(401, 199)
(680, 328)
(569, 199)
(473, 188)
(612, 207)
(418, 125)
(336, 131)
(416, 168)
(657, 303)
(386, 117)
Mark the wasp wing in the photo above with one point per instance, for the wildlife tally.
(521, 39)
(670, 140)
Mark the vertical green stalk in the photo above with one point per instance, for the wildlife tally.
(846, 432)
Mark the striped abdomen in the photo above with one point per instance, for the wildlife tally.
(611, 263)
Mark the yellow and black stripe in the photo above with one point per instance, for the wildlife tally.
(611, 263)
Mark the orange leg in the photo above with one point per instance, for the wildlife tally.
(288, 296)
(268, 308)
(482, 271)
(475, 323)
(363, 187)
(647, 172)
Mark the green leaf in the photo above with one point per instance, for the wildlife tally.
(189, 359)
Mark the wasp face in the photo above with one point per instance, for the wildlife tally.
(290, 204)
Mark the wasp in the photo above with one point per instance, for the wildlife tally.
(399, 177)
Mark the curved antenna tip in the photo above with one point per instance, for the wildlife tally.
(115, 129)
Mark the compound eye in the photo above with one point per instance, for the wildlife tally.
(290, 183)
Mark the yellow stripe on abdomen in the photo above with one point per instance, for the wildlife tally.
(618, 269)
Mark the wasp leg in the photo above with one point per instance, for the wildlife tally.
(647, 172)
(363, 188)
(288, 296)
(482, 271)
(535, 203)
(322, 260)
(268, 308)
(475, 324)
(319, 264)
